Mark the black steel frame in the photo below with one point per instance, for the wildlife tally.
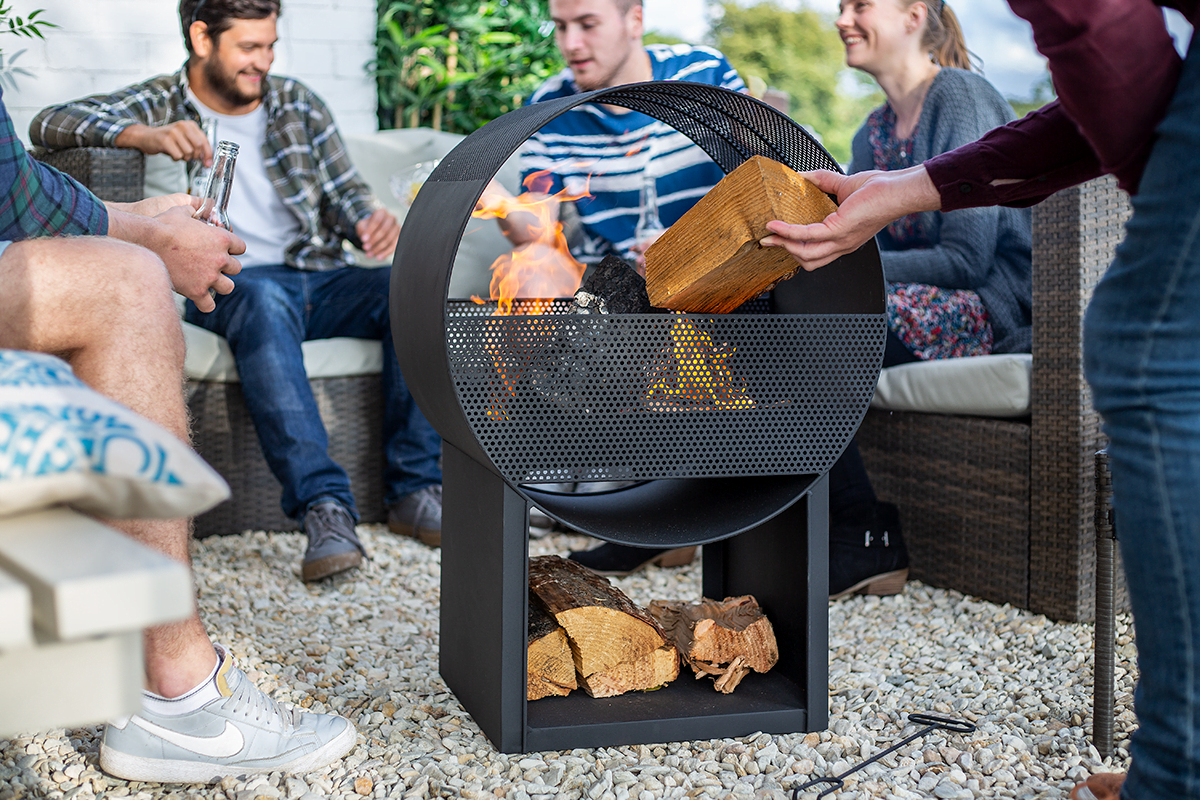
(783, 562)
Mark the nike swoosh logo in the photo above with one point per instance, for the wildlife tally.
(228, 743)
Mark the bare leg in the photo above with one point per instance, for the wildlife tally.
(106, 308)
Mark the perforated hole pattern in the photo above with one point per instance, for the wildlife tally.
(563, 397)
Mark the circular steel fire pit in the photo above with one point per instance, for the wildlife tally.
(554, 397)
(548, 397)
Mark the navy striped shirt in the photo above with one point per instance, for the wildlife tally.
(616, 148)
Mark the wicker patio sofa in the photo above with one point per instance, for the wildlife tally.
(1003, 508)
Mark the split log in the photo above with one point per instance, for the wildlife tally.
(725, 639)
(610, 637)
(710, 261)
(657, 668)
(551, 668)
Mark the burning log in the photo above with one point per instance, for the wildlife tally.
(616, 646)
(725, 639)
(542, 268)
(551, 669)
(710, 260)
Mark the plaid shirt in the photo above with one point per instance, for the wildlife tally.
(37, 200)
(303, 153)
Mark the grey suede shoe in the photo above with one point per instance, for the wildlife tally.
(333, 546)
(419, 515)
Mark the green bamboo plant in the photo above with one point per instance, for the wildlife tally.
(455, 65)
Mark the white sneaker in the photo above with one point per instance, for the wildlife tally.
(242, 731)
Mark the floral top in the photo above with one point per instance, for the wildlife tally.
(931, 321)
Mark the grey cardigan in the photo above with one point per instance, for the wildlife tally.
(987, 250)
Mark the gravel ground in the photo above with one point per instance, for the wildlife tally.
(365, 645)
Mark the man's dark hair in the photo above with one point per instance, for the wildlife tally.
(218, 15)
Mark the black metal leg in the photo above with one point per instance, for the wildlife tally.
(485, 597)
(1103, 690)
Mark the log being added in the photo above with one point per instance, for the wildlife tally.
(616, 646)
(551, 668)
(710, 261)
(725, 639)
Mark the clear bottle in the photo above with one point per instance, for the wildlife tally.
(648, 224)
(200, 176)
(214, 209)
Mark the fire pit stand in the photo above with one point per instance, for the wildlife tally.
(547, 397)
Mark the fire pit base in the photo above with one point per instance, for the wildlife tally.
(782, 561)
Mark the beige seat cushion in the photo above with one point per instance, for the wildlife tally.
(980, 386)
(380, 155)
(210, 359)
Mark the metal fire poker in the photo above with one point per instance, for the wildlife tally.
(930, 722)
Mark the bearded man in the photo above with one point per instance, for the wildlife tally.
(296, 199)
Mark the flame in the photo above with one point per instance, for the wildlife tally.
(544, 268)
(695, 373)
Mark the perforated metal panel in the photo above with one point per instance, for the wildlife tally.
(577, 398)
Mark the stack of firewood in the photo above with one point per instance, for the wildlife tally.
(613, 646)
(585, 633)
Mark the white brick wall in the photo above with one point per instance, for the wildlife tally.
(102, 45)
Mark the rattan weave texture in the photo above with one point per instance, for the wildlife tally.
(113, 174)
(223, 433)
(1000, 509)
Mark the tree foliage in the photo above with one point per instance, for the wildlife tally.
(1043, 92)
(799, 52)
(457, 64)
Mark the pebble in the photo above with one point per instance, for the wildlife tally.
(366, 643)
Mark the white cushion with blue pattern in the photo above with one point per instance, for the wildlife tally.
(64, 443)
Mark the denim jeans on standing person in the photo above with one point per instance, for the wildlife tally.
(1142, 358)
(271, 310)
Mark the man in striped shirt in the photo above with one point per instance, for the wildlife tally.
(609, 150)
(296, 201)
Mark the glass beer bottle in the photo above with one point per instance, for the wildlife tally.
(200, 176)
(214, 208)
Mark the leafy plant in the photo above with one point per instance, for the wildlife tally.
(457, 64)
(29, 27)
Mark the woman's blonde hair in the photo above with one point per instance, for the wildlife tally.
(943, 35)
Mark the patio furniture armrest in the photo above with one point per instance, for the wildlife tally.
(111, 173)
(84, 593)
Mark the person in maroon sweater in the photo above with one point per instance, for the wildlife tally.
(1130, 107)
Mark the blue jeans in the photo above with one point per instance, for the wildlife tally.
(1142, 358)
(271, 311)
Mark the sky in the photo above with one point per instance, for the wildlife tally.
(1001, 39)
